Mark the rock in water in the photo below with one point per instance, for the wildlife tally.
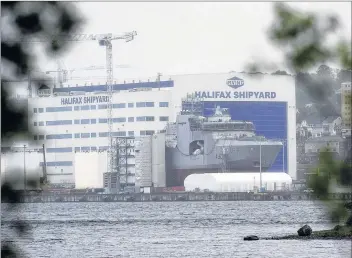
(251, 238)
(305, 231)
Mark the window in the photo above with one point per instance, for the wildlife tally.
(119, 120)
(58, 136)
(103, 147)
(103, 120)
(102, 106)
(35, 123)
(119, 105)
(104, 134)
(93, 148)
(148, 132)
(41, 110)
(85, 121)
(140, 104)
(85, 135)
(85, 107)
(57, 164)
(93, 135)
(35, 137)
(164, 118)
(93, 107)
(151, 132)
(145, 118)
(41, 137)
(85, 148)
(163, 104)
(60, 150)
(131, 119)
(77, 149)
(76, 108)
(41, 123)
(130, 133)
(77, 121)
(130, 105)
(93, 121)
(117, 134)
(149, 104)
(34, 110)
(77, 135)
(59, 122)
(58, 109)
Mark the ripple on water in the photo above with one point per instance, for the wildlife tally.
(182, 229)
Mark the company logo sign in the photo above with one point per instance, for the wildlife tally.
(235, 82)
(84, 100)
(235, 95)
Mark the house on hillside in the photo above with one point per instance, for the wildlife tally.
(332, 125)
(334, 142)
(311, 126)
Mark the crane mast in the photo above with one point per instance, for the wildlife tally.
(106, 41)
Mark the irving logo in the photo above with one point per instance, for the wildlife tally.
(235, 82)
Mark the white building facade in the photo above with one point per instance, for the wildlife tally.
(70, 120)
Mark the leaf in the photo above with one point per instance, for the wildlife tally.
(29, 24)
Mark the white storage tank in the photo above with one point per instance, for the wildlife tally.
(237, 182)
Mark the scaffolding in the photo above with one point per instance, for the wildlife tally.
(123, 152)
(192, 105)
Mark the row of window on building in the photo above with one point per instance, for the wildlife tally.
(101, 120)
(90, 135)
(99, 106)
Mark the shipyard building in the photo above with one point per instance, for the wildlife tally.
(165, 130)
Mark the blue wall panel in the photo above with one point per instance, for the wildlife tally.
(269, 118)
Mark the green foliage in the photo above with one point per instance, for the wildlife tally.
(302, 38)
(26, 18)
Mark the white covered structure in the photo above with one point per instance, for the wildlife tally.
(89, 169)
(237, 182)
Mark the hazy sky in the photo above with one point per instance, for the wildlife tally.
(177, 38)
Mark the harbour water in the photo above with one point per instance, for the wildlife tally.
(173, 229)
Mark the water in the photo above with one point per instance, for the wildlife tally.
(178, 229)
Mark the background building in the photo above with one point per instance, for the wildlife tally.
(346, 104)
(73, 120)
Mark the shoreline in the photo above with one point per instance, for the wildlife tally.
(337, 233)
(46, 197)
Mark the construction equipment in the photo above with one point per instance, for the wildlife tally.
(104, 40)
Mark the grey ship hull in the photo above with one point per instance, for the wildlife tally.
(219, 155)
(227, 157)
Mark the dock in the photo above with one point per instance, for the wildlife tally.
(44, 197)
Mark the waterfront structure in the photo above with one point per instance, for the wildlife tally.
(238, 182)
(75, 119)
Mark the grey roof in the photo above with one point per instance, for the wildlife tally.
(330, 119)
(313, 119)
(327, 138)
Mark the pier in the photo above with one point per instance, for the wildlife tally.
(174, 196)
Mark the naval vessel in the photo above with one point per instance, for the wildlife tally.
(199, 144)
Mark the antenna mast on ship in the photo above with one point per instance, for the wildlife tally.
(192, 105)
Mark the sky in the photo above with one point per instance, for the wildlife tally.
(182, 37)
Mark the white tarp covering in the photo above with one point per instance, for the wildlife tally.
(237, 182)
(89, 169)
